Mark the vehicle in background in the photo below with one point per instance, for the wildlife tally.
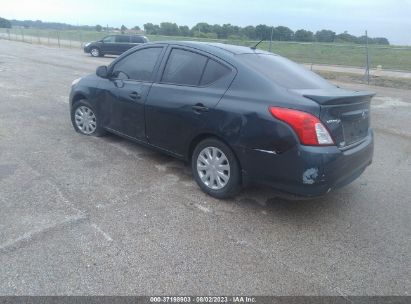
(113, 45)
(238, 115)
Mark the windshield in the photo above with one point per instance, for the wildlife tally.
(284, 72)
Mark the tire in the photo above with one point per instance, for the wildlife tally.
(215, 177)
(88, 122)
(95, 52)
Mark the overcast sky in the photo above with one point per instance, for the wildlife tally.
(391, 19)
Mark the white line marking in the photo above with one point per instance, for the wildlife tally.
(29, 235)
(202, 208)
(106, 236)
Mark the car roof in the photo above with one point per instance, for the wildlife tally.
(213, 47)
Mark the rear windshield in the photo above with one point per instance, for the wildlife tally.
(284, 72)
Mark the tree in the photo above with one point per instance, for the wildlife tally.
(263, 31)
(151, 29)
(123, 28)
(226, 30)
(156, 29)
(136, 28)
(249, 32)
(202, 27)
(184, 30)
(303, 35)
(218, 29)
(325, 36)
(99, 28)
(168, 29)
(346, 38)
(382, 40)
(4, 23)
(283, 33)
(363, 40)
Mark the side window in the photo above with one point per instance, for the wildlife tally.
(109, 39)
(184, 67)
(137, 39)
(138, 65)
(123, 39)
(213, 72)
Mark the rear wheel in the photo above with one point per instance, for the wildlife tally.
(215, 168)
(95, 52)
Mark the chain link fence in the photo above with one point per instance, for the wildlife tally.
(380, 58)
(63, 39)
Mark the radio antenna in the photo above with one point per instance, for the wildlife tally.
(255, 46)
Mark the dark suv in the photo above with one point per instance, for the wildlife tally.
(113, 44)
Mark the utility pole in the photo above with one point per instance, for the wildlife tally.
(271, 39)
(367, 70)
(58, 38)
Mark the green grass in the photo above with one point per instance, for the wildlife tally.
(389, 57)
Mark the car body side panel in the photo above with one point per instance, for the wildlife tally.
(121, 112)
(107, 47)
(86, 88)
(170, 118)
(247, 102)
(171, 121)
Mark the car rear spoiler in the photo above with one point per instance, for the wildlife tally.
(336, 96)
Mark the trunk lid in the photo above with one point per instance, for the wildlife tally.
(346, 114)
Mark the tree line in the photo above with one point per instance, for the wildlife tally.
(216, 31)
(262, 31)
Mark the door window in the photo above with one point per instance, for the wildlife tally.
(122, 39)
(184, 68)
(213, 72)
(138, 65)
(109, 39)
(137, 39)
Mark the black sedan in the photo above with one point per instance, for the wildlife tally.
(236, 114)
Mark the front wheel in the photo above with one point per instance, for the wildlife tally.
(95, 52)
(85, 120)
(215, 169)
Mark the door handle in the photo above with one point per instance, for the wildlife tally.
(135, 95)
(199, 108)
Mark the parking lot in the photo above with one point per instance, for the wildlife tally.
(92, 216)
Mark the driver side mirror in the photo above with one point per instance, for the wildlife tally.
(102, 71)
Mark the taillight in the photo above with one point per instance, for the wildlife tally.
(309, 128)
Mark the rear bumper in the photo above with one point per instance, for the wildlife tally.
(307, 171)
